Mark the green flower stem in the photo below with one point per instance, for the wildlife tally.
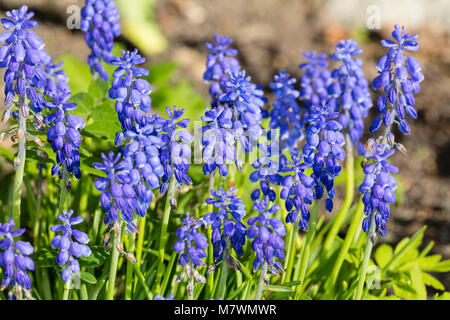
(63, 192)
(290, 257)
(304, 258)
(20, 162)
(224, 274)
(354, 225)
(66, 293)
(140, 243)
(164, 235)
(209, 292)
(130, 267)
(83, 292)
(260, 287)
(113, 267)
(37, 218)
(366, 258)
(349, 192)
(191, 282)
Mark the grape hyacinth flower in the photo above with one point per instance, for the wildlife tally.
(100, 22)
(297, 191)
(323, 149)
(286, 112)
(175, 153)
(23, 55)
(15, 262)
(72, 244)
(118, 198)
(378, 186)
(315, 80)
(268, 236)
(400, 76)
(219, 62)
(141, 131)
(227, 226)
(349, 91)
(130, 92)
(63, 134)
(267, 168)
(192, 245)
(246, 100)
(217, 140)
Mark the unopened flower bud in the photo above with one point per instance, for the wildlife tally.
(400, 147)
(130, 257)
(173, 203)
(6, 116)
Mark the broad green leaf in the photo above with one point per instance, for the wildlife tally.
(404, 290)
(97, 258)
(105, 122)
(98, 89)
(417, 282)
(427, 263)
(85, 104)
(45, 258)
(432, 281)
(383, 255)
(443, 266)
(88, 277)
(406, 250)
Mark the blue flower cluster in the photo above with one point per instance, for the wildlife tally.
(70, 249)
(118, 196)
(141, 132)
(315, 81)
(24, 57)
(15, 262)
(378, 186)
(246, 100)
(192, 246)
(232, 89)
(268, 236)
(100, 22)
(297, 191)
(226, 224)
(130, 92)
(323, 149)
(217, 140)
(220, 61)
(349, 92)
(176, 149)
(286, 112)
(400, 76)
(63, 134)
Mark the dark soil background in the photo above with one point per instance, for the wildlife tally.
(271, 34)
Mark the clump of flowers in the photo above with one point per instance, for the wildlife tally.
(72, 244)
(228, 229)
(100, 22)
(349, 92)
(15, 262)
(268, 236)
(24, 57)
(286, 112)
(400, 76)
(315, 80)
(297, 191)
(192, 245)
(323, 149)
